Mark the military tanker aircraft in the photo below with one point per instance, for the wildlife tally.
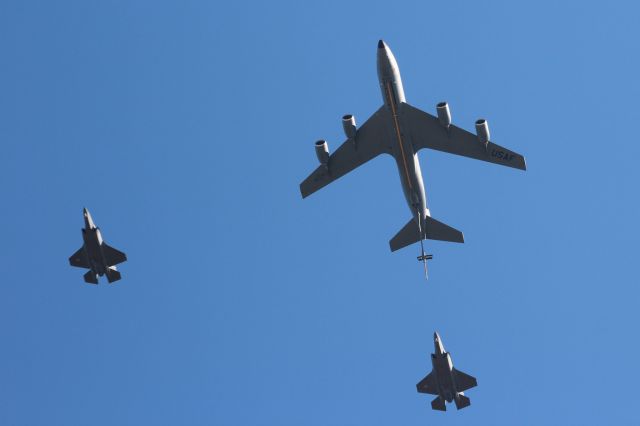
(401, 130)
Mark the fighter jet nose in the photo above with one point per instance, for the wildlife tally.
(380, 44)
(85, 211)
(437, 343)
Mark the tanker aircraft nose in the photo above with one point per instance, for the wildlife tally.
(389, 75)
(385, 60)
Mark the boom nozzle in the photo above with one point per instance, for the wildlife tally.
(423, 258)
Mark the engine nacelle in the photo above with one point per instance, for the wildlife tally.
(482, 131)
(444, 115)
(349, 126)
(322, 152)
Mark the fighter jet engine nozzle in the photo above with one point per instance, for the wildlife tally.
(444, 115)
(349, 126)
(322, 152)
(482, 130)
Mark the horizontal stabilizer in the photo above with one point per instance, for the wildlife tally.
(434, 230)
(462, 401)
(113, 275)
(408, 235)
(91, 278)
(439, 404)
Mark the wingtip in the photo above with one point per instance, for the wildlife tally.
(461, 238)
(302, 192)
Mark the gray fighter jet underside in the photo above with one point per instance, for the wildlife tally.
(96, 255)
(445, 381)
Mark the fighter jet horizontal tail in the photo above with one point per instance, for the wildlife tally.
(91, 277)
(438, 404)
(113, 274)
(462, 401)
(434, 230)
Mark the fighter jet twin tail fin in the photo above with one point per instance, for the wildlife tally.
(460, 400)
(91, 277)
(112, 276)
(439, 404)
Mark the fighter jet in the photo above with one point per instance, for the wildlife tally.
(96, 255)
(445, 381)
(401, 130)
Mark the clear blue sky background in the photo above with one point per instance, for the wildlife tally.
(186, 127)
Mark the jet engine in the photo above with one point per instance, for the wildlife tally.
(322, 152)
(444, 115)
(349, 126)
(482, 131)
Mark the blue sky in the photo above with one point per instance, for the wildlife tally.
(186, 127)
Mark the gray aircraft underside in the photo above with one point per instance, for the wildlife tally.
(401, 130)
(96, 255)
(445, 381)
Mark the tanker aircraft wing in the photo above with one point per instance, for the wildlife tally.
(369, 141)
(428, 132)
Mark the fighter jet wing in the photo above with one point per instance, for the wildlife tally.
(371, 140)
(79, 259)
(464, 381)
(113, 256)
(427, 132)
(428, 384)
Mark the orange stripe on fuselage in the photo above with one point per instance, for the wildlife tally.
(397, 126)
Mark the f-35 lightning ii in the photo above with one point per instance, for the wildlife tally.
(445, 381)
(96, 255)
